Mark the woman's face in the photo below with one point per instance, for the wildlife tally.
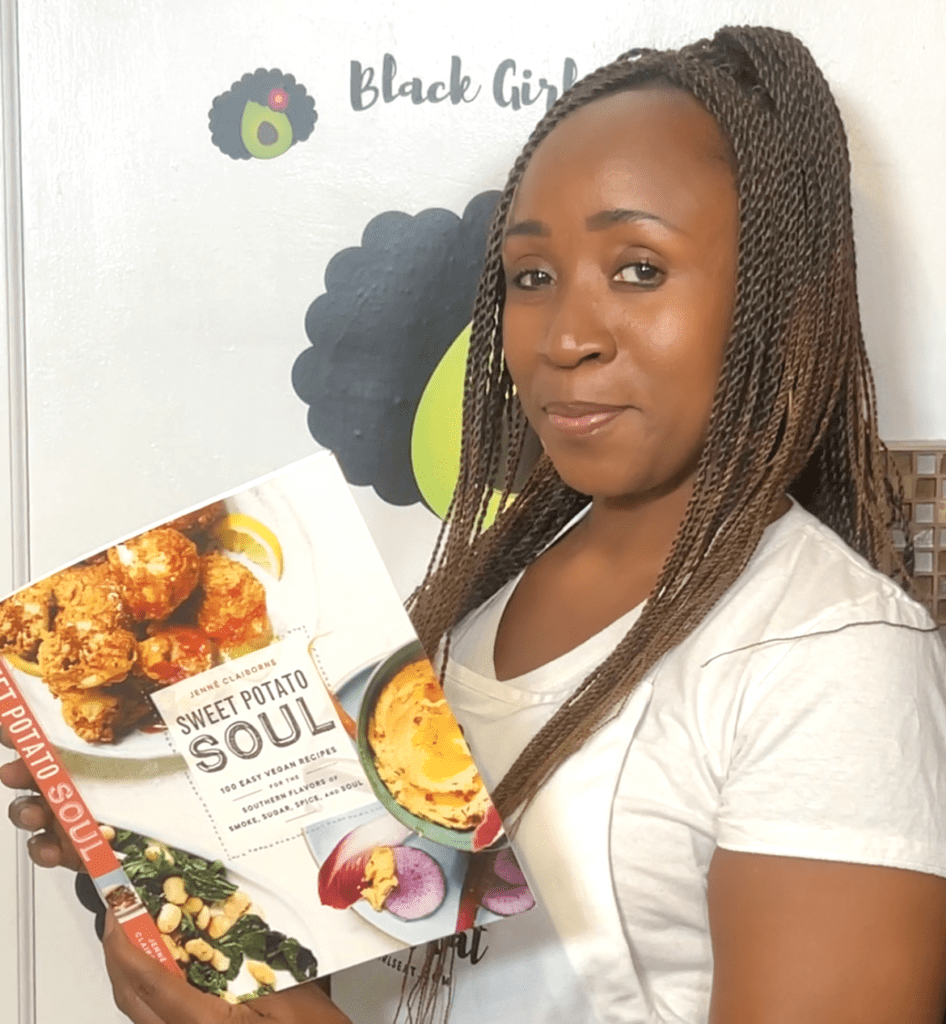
(620, 263)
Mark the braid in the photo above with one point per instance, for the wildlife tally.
(794, 408)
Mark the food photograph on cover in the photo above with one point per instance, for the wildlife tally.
(102, 635)
(238, 696)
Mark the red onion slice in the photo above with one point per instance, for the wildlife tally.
(341, 877)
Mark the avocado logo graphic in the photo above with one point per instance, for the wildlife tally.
(383, 373)
(261, 116)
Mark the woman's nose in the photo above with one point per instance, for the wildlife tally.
(577, 330)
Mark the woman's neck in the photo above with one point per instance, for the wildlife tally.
(634, 529)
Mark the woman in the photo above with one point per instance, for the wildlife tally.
(716, 729)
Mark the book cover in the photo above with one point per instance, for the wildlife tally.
(233, 720)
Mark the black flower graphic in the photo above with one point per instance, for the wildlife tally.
(392, 308)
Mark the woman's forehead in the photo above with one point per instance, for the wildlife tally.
(652, 140)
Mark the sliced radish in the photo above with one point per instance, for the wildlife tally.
(421, 887)
(341, 877)
(508, 900)
(508, 868)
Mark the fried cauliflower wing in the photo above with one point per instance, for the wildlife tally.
(25, 618)
(175, 653)
(156, 572)
(84, 626)
(200, 520)
(103, 715)
(232, 609)
(90, 596)
(81, 656)
(92, 715)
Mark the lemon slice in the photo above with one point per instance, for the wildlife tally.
(250, 646)
(29, 667)
(244, 534)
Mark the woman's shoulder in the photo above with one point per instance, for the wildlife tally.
(804, 578)
(811, 646)
(806, 597)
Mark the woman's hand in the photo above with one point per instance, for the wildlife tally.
(48, 846)
(149, 994)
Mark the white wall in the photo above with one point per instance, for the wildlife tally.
(166, 284)
(16, 963)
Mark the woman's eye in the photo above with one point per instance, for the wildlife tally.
(641, 272)
(529, 280)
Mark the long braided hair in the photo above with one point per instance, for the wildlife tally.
(794, 408)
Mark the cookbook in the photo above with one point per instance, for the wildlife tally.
(233, 720)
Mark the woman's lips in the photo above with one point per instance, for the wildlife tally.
(578, 418)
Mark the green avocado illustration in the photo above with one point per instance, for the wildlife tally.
(435, 437)
(266, 133)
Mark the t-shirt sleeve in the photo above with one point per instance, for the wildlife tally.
(839, 752)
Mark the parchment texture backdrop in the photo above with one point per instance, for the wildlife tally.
(167, 284)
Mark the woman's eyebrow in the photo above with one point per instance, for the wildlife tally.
(527, 227)
(596, 222)
(606, 218)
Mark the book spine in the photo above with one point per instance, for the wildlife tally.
(61, 793)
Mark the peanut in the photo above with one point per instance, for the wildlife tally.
(220, 961)
(237, 904)
(203, 951)
(157, 851)
(175, 950)
(169, 918)
(219, 926)
(261, 973)
(174, 891)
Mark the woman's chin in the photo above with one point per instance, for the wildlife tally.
(598, 482)
(620, 485)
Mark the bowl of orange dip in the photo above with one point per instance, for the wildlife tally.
(414, 753)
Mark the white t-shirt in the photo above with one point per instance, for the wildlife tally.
(801, 718)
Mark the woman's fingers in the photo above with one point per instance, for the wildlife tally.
(50, 850)
(30, 813)
(304, 1004)
(49, 847)
(16, 775)
(148, 993)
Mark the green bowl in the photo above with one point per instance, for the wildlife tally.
(456, 839)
